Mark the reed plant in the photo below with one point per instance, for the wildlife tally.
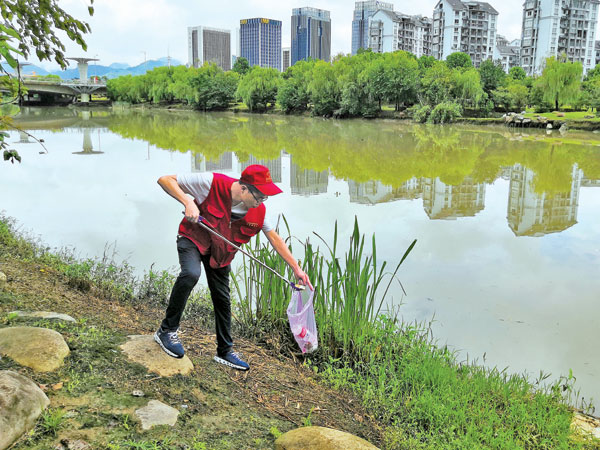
(347, 295)
(423, 396)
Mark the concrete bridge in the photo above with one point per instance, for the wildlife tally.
(73, 88)
(76, 89)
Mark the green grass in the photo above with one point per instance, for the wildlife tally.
(568, 115)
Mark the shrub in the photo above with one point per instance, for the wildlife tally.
(420, 113)
(445, 112)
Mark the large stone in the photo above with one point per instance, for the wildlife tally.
(2, 279)
(143, 350)
(44, 315)
(586, 424)
(320, 438)
(41, 349)
(21, 403)
(156, 413)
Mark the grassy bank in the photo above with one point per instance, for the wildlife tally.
(419, 394)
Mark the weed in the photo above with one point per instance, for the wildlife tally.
(307, 421)
(52, 421)
(275, 432)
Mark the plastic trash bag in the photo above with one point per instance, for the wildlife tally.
(301, 314)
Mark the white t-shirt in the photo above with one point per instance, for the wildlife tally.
(198, 186)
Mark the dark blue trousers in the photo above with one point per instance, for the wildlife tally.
(191, 261)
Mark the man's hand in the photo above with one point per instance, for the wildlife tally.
(303, 278)
(192, 213)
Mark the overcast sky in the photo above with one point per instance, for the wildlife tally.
(122, 30)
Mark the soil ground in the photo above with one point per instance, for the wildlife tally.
(220, 408)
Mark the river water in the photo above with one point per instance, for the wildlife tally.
(508, 253)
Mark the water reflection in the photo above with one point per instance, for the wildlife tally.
(443, 201)
(533, 214)
(529, 213)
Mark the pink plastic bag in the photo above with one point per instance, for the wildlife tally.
(301, 315)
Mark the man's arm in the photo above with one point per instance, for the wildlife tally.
(171, 187)
(280, 247)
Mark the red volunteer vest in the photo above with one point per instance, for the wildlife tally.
(216, 210)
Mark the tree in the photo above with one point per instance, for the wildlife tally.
(31, 26)
(258, 88)
(560, 81)
(492, 75)
(435, 84)
(241, 66)
(324, 89)
(402, 71)
(292, 94)
(467, 86)
(517, 73)
(459, 60)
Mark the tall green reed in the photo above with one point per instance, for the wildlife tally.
(347, 295)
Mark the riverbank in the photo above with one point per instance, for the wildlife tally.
(418, 396)
(575, 123)
(91, 396)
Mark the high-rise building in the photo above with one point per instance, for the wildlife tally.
(285, 58)
(597, 53)
(507, 53)
(360, 22)
(260, 42)
(311, 34)
(390, 31)
(556, 27)
(209, 45)
(468, 27)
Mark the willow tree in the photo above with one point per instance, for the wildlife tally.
(560, 81)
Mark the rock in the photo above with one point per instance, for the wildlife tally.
(549, 126)
(138, 393)
(156, 413)
(2, 279)
(589, 117)
(68, 444)
(44, 315)
(41, 349)
(21, 403)
(320, 438)
(586, 424)
(143, 350)
(559, 114)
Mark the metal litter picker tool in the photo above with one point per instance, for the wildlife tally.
(296, 287)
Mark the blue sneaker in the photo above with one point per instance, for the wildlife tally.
(169, 342)
(232, 359)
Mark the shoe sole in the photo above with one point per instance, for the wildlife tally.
(166, 350)
(227, 363)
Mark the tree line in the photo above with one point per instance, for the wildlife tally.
(362, 85)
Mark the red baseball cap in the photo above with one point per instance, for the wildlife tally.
(259, 177)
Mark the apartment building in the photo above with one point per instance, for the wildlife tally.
(507, 53)
(390, 31)
(360, 22)
(211, 45)
(557, 27)
(468, 27)
(311, 34)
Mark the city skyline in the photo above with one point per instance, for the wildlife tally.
(157, 28)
